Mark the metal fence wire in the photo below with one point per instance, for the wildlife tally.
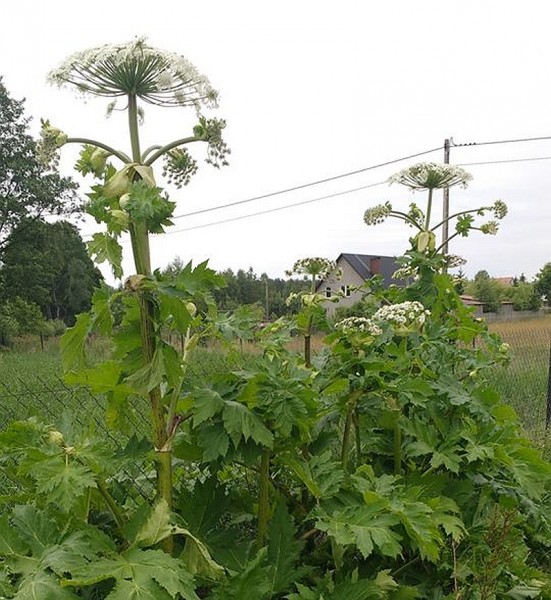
(525, 384)
(50, 400)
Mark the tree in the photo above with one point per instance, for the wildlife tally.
(47, 264)
(488, 291)
(28, 189)
(543, 282)
(18, 317)
(523, 295)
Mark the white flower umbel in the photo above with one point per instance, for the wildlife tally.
(317, 267)
(431, 176)
(408, 315)
(136, 69)
(359, 324)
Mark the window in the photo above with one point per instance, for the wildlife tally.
(328, 291)
(345, 289)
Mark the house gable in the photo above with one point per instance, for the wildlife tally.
(356, 269)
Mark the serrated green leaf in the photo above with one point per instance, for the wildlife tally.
(337, 386)
(206, 404)
(283, 551)
(149, 376)
(104, 247)
(139, 575)
(43, 586)
(240, 422)
(73, 343)
(157, 527)
(197, 559)
(62, 482)
(365, 528)
(214, 441)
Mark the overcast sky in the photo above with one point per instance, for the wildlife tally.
(313, 89)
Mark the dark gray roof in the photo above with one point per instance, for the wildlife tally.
(362, 264)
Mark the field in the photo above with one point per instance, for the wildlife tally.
(31, 381)
(523, 383)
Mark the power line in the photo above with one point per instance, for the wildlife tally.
(306, 185)
(509, 160)
(270, 210)
(512, 141)
(335, 177)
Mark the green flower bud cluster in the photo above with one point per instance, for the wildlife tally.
(179, 167)
(51, 140)
(210, 130)
(490, 228)
(377, 214)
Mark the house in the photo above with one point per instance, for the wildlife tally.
(473, 302)
(356, 269)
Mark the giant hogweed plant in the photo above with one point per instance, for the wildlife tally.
(381, 468)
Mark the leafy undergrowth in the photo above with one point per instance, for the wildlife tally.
(387, 469)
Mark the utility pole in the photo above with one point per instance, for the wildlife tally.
(446, 201)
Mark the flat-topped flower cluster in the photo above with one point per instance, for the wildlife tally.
(362, 324)
(316, 266)
(431, 176)
(134, 68)
(405, 314)
(409, 315)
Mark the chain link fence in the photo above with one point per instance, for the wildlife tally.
(525, 383)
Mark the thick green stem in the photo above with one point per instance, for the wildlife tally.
(263, 498)
(397, 448)
(164, 149)
(352, 401)
(429, 208)
(140, 245)
(358, 438)
(308, 349)
(111, 504)
(120, 155)
(308, 332)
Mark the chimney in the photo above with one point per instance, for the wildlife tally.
(375, 266)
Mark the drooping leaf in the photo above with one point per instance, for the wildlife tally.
(240, 422)
(214, 440)
(206, 403)
(157, 526)
(73, 343)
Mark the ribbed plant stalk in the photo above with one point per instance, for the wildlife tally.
(308, 332)
(356, 419)
(349, 420)
(263, 498)
(140, 246)
(308, 346)
(397, 448)
(429, 209)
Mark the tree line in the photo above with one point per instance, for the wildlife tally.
(524, 295)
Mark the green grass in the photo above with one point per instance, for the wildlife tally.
(31, 380)
(523, 383)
